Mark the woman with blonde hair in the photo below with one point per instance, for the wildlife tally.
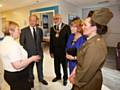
(15, 59)
(75, 41)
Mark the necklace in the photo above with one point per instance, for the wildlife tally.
(76, 37)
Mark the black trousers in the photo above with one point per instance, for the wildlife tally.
(57, 63)
(17, 80)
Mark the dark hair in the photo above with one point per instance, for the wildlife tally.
(90, 13)
(101, 29)
(118, 45)
(76, 18)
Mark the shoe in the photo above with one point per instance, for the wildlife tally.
(65, 82)
(31, 82)
(44, 82)
(56, 79)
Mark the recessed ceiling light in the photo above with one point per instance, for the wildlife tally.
(0, 5)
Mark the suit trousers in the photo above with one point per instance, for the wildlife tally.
(57, 63)
(17, 80)
(39, 66)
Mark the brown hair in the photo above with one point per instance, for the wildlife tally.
(10, 26)
(78, 22)
(101, 29)
(90, 13)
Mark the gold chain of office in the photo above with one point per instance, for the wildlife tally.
(58, 31)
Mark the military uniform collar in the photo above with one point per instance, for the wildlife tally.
(91, 36)
(94, 38)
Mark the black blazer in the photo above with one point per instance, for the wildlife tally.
(58, 45)
(27, 41)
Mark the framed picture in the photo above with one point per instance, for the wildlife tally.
(45, 21)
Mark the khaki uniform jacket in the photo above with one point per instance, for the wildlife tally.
(91, 57)
(1, 72)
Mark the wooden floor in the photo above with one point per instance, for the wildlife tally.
(111, 76)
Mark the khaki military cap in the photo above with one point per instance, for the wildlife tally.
(102, 16)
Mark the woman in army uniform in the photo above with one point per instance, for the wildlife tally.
(91, 56)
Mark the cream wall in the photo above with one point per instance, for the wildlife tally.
(20, 15)
(0, 22)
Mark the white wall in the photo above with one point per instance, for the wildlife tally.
(67, 9)
(113, 35)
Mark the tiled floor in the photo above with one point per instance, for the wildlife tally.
(111, 77)
(110, 74)
(49, 75)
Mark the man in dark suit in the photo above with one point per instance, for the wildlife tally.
(59, 34)
(31, 38)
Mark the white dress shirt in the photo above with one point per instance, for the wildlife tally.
(11, 51)
(31, 28)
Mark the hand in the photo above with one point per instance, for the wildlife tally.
(71, 78)
(52, 55)
(69, 57)
(35, 58)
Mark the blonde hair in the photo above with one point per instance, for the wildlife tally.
(11, 25)
(77, 22)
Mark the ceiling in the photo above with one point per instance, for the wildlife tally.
(11, 4)
(92, 2)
